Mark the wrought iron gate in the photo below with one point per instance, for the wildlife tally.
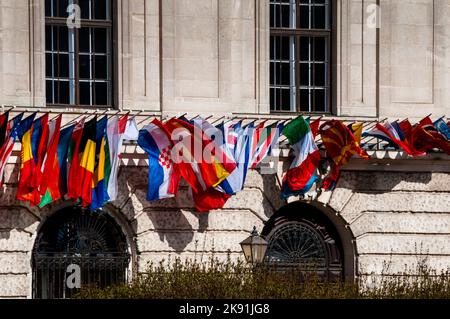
(77, 246)
(304, 240)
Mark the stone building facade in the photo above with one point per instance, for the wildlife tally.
(389, 59)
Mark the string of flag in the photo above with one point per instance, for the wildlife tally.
(81, 161)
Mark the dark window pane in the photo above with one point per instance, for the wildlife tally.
(304, 100)
(85, 93)
(284, 77)
(48, 65)
(63, 66)
(285, 100)
(277, 16)
(319, 74)
(84, 66)
(48, 8)
(281, 48)
(319, 17)
(319, 49)
(272, 72)
(85, 9)
(304, 74)
(62, 8)
(64, 93)
(83, 40)
(49, 91)
(272, 16)
(101, 93)
(63, 35)
(285, 16)
(48, 38)
(100, 9)
(272, 99)
(101, 67)
(272, 47)
(304, 48)
(319, 101)
(304, 17)
(101, 40)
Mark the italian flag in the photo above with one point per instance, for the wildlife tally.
(301, 176)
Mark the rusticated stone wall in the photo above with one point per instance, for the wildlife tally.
(397, 220)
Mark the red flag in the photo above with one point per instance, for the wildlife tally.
(73, 179)
(330, 182)
(406, 128)
(426, 138)
(34, 136)
(201, 173)
(426, 121)
(315, 126)
(3, 128)
(341, 146)
(340, 143)
(41, 152)
(50, 167)
(209, 200)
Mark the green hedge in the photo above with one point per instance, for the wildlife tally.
(235, 280)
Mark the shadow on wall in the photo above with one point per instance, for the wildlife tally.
(177, 227)
(383, 182)
(272, 191)
(174, 220)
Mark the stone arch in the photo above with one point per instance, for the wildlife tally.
(323, 225)
(118, 231)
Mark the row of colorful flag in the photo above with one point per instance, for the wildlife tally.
(81, 161)
(78, 162)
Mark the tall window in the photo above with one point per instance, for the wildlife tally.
(78, 58)
(300, 55)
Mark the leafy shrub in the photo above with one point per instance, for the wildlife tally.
(235, 280)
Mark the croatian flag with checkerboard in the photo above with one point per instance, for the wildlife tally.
(163, 181)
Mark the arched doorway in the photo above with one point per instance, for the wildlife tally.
(301, 236)
(76, 246)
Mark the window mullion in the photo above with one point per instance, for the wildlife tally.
(77, 66)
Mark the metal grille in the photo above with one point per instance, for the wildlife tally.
(306, 246)
(74, 247)
(51, 273)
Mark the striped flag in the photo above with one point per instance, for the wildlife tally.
(40, 141)
(301, 176)
(54, 180)
(388, 133)
(101, 168)
(28, 138)
(115, 130)
(242, 153)
(443, 128)
(3, 128)
(83, 163)
(163, 176)
(12, 132)
(73, 161)
(266, 142)
(202, 170)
